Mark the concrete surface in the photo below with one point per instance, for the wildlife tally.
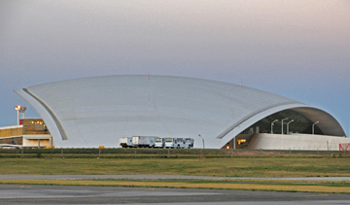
(40, 194)
(45, 194)
(296, 142)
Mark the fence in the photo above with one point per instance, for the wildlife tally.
(344, 147)
(161, 153)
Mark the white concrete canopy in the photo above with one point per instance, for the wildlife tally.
(92, 112)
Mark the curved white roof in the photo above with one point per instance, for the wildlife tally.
(92, 112)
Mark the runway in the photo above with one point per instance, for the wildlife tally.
(44, 194)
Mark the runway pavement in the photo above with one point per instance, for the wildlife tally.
(40, 194)
(44, 194)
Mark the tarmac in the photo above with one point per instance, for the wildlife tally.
(50, 194)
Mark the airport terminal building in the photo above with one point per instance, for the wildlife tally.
(98, 111)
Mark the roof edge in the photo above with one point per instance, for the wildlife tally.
(51, 120)
(252, 118)
(251, 115)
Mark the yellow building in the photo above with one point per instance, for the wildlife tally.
(32, 133)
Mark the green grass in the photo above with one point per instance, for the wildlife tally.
(243, 166)
(164, 153)
(230, 167)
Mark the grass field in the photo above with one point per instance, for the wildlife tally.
(185, 162)
(224, 167)
(163, 153)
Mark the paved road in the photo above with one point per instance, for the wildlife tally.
(40, 194)
(164, 177)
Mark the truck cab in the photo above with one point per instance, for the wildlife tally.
(125, 142)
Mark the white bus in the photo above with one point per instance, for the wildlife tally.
(179, 143)
(189, 143)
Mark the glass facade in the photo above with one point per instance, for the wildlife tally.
(301, 124)
(34, 126)
(12, 141)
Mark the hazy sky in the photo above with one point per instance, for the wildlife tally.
(298, 48)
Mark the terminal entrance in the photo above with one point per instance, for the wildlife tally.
(293, 123)
(242, 142)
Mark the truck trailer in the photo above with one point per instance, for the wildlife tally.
(143, 141)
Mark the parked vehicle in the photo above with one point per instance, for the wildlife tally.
(159, 142)
(189, 143)
(156, 142)
(143, 141)
(10, 147)
(125, 142)
(169, 143)
(179, 143)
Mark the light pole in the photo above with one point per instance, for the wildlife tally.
(18, 107)
(21, 109)
(272, 124)
(313, 127)
(288, 126)
(282, 123)
(203, 144)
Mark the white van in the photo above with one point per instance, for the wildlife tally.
(169, 143)
(159, 142)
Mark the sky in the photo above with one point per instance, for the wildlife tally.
(299, 49)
